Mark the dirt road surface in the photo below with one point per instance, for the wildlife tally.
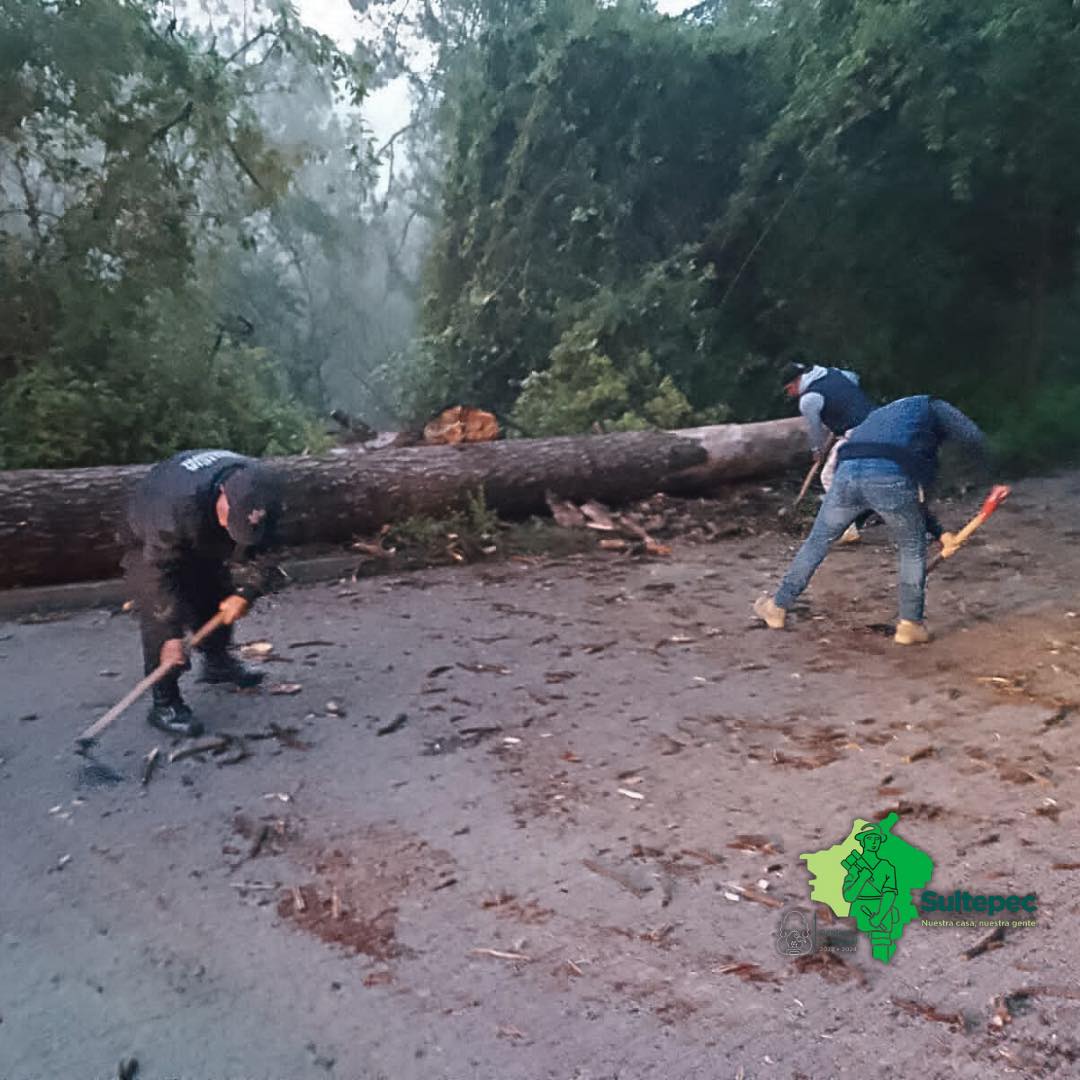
(538, 819)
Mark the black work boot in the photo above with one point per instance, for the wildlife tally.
(170, 714)
(225, 668)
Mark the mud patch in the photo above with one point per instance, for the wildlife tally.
(746, 971)
(922, 811)
(355, 886)
(830, 967)
(675, 1011)
(1033, 657)
(508, 906)
(819, 745)
(329, 919)
(544, 785)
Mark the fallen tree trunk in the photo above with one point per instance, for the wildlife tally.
(739, 451)
(62, 525)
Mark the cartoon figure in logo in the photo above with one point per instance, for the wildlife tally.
(870, 888)
(870, 876)
(795, 937)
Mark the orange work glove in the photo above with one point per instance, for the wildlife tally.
(234, 607)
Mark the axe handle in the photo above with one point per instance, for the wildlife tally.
(812, 471)
(976, 522)
(964, 534)
(146, 683)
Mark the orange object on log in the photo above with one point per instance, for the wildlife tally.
(461, 424)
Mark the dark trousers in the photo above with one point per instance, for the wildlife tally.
(199, 585)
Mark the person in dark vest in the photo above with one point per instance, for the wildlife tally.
(188, 519)
(888, 464)
(831, 400)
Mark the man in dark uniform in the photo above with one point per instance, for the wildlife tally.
(189, 517)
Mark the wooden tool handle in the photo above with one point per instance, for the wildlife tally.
(819, 461)
(998, 494)
(146, 683)
(206, 630)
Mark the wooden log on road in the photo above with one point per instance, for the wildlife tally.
(62, 525)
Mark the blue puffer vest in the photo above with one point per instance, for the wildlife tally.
(903, 432)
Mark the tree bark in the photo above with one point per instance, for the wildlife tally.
(739, 451)
(62, 525)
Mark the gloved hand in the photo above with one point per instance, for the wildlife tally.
(234, 607)
(949, 545)
(172, 653)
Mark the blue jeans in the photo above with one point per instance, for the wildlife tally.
(861, 485)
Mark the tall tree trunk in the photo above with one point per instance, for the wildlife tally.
(62, 525)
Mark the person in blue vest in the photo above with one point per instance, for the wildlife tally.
(831, 400)
(888, 464)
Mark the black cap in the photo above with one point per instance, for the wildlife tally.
(254, 494)
(793, 370)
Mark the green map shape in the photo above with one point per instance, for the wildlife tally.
(913, 870)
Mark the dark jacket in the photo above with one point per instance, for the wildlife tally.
(831, 398)
(172, 520)
(909, 432)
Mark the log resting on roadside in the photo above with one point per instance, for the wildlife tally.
(61, 525)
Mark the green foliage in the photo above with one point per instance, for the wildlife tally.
(1045, 434)
(577, 177)
(130, 151)
(888, 186)
(583, 387)
(462, 536)
(161, 385)
(916, 200)
(640, 217)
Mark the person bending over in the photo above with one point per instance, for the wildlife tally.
(189, 518)
(887, 465)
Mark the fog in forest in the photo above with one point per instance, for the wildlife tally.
(220, 222)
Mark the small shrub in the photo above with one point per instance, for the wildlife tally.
(462, 536)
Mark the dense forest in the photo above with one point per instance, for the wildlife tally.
(596, 215)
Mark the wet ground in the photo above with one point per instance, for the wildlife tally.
(539, 818)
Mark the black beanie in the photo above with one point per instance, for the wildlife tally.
(793, 370)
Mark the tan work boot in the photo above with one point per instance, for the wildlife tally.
(911, 633)
(850, 535)
(766, 608)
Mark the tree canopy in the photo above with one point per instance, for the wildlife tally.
(604, 217)
(134, 154)
(643, 215)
